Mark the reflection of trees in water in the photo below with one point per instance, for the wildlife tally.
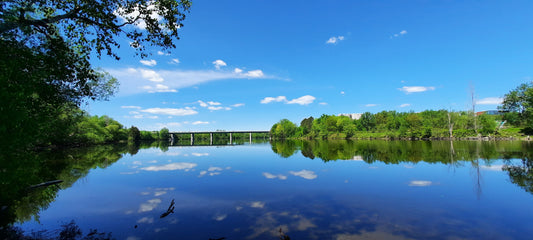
(394, 152)
(22, 169)
(454, 154)
(68, 231)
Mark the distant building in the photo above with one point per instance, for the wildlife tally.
(491, 112)
(353, 116)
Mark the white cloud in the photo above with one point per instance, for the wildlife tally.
(134, 80)
(171, 167)
(171, 111)
(334, 40)
(419, 183)
(214, 103)
(151, 10)
(272, 99)
(323, 103)
(199, 122)
(342, 92)
(414, 89)
(149, 63)
(237, 70)
(304, 100)
(405, 105)
(490, 101)
(159, 88)
(215, 108)
(202, 103)
(149, 205)
(403, 32)
(133, 107)
(254, 74)
(304, 174)
(219, 63)
(370, 105)
(175, 61)
(160, 53)
(151, 75)
(238, 105)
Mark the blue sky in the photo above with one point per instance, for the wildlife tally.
(244, 65)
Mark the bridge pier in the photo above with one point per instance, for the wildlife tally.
(250, 137)
(210, 138)
(230, 138)
(192, 139)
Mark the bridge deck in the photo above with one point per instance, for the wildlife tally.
(204, 132)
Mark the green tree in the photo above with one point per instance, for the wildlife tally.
(520, 100)
(46, 47)
(164, 134)
(134, 135)
(307, 125)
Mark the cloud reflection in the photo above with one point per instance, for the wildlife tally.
(149, 205)
(304, 174)
(171, 166)
(272, 176)
(492, 168)
(257, 204)
(420, 183)
(145, 220)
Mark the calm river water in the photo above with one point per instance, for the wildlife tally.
(308, 189)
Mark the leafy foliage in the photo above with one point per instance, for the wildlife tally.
(387, 124)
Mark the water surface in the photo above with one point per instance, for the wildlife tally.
(309, 189)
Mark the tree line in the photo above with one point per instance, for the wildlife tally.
(390, 124)
(515, 116)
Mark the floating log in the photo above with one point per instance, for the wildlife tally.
(169, 210)
(45, 184)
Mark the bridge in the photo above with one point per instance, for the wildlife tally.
(175, 135)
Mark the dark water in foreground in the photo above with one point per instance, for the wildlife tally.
(310, 190)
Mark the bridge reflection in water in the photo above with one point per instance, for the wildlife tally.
(226, 135)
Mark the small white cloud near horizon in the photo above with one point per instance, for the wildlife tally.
(175, 61)
(254, 74)
(219, 63)
(415, 89)
(405, 105)
(371, 105)
(237, 70)
(323, 103)
(149, 63)
(171, 111)
(342, 92)
(132, 107)
(238, 105)
(199, 122)
(403, 32)
(490, 101)
(161, 53)
(303, 100)
(334, 40)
